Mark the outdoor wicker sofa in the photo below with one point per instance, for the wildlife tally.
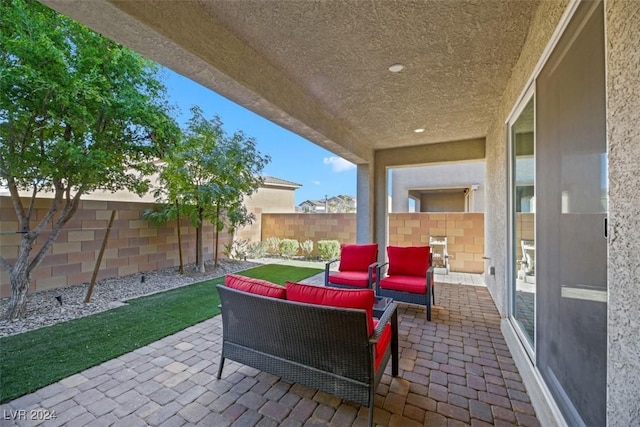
(327, 348)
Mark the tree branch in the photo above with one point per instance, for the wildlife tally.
(57, 199)
(69, 209)
(23, 220)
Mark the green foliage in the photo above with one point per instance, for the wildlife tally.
(71, 347)
(328, 249)
(209, 173)
(272, 245)
(288, 248)
(78, 112)
(306, 248)
(256, 250)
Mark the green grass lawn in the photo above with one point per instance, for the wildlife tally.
(38, 358)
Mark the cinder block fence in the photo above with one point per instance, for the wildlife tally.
(135, 244)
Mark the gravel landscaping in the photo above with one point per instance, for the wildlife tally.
(59, 305)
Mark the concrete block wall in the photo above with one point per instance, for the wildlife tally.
(464, 232)
(304, 226)
(135, 245)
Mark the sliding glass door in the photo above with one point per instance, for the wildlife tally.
(523, 212)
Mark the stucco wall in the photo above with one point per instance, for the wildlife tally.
(546, 20)
(447, 175)
(442, 202)
(622, 23)
(135, 245)
(265, 200)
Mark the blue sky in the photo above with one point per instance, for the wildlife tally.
(292, 157)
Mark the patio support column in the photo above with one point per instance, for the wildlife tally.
(364, 203)
(623, 269)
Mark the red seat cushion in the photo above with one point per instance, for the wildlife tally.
(346, 298)
(357, 257)
(255, 286)
(351, 278)
(383, 342)
(408, 261)
(413, 284)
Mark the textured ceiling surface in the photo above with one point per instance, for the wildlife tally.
(457, 55)
(320, 68)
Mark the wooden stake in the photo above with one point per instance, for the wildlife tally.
(99, 261)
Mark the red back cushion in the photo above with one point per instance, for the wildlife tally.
(408, 261)
(357, 257)
(346, 298)
(255, 286)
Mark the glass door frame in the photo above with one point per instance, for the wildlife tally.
(511, 269)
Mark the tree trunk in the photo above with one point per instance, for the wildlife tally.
(200, 241)
(179, 238)
(217, 238)
(20, 279)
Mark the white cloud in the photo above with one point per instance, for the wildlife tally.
(338, 164)
(316, 182)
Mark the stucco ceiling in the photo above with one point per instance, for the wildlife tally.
(320, 68)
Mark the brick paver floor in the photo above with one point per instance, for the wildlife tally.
(455, 370)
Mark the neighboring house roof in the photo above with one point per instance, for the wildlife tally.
(312, 203)
(271, 180)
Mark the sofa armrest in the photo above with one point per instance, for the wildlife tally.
(372, 267)
(379, 274)
(327, 268)
(382, 321)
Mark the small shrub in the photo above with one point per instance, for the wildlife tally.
(272, 245)
(256, 250)
(228, 250)
(238, 249)
(288, 248)
(328, 249)
(307, 248)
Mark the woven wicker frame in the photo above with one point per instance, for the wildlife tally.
(325, 348)
(409, 297)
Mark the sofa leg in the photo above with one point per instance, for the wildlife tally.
(428, 309)
(370, 414)
(220, 367)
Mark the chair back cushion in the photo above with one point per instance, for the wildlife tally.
(255, 286)
(362, 299)
(357, 257)
(408, 261)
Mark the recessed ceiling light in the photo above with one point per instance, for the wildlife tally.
(419, 130)
(396, 68)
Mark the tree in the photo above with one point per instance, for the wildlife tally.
(209, 173)
(78, 113)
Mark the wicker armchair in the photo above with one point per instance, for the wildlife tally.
(357, 269)
(409, 276)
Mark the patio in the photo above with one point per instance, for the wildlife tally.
(456, 370)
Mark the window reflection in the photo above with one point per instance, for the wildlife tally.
(524, 207)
